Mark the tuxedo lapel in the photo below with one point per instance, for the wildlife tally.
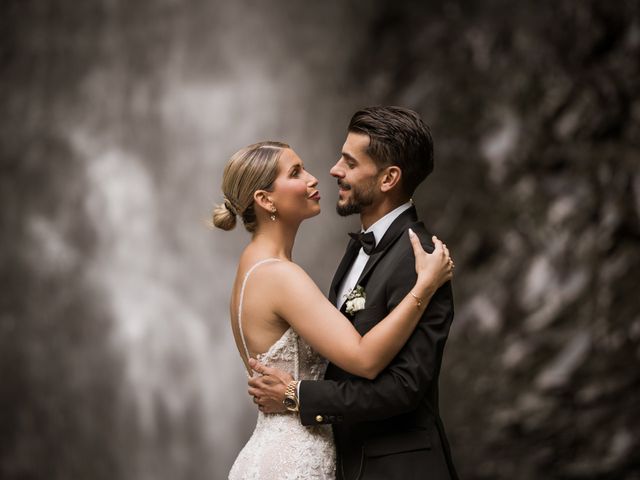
(395, 231)
(345, 263)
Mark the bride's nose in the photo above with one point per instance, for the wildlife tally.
(312, 181)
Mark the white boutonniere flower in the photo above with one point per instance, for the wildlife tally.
(356, 300)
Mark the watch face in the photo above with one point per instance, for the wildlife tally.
(289, 402)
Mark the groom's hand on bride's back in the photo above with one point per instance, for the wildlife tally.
(267, 389)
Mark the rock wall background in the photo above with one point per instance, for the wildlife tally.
(536, 110)
(117, 118)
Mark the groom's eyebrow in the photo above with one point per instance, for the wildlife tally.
(349, 156)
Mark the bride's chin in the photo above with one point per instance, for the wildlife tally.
(315, 213)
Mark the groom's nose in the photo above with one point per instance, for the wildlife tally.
(336, 171)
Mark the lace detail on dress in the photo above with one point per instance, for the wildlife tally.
(280, 446)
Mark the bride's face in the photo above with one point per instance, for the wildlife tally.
(295, 195)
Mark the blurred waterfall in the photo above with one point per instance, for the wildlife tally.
(117, 354)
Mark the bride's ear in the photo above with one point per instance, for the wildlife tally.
(263, 200)
(390, 178)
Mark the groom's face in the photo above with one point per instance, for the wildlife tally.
(357, 176)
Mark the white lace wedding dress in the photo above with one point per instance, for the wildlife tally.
(280, 447)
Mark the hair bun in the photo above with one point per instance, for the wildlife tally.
(229, 206)
(224, 217)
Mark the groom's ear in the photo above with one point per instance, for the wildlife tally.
(390, 178)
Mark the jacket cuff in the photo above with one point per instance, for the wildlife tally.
(310, 417)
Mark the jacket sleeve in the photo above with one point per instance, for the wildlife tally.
(400, 387)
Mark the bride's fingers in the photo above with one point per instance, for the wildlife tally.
(415, 243)
(439, 252)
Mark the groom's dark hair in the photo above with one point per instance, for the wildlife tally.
(397, 136)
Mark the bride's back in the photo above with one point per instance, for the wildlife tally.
(261, 326)
(275, 344)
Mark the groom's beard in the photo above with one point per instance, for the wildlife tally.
(362, 196)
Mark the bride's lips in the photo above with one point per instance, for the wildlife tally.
(315, 195)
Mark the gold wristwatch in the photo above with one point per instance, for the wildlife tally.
(291, 397)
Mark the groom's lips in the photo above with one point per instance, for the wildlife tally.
(343, 187)
(342, 192)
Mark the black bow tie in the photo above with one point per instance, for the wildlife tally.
(366, 240)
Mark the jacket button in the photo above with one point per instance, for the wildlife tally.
(319, 418)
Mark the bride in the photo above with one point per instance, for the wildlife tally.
(281, 318)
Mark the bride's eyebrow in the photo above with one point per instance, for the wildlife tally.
(298, 165)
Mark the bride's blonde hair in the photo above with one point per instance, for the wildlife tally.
(249, 169)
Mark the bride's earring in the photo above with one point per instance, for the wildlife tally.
(273, 214)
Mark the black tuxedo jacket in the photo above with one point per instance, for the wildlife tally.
(390, 427)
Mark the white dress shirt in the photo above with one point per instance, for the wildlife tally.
(379, 229)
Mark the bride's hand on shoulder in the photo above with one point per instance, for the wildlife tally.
(433, 269)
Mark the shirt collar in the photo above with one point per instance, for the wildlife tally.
(381, 226)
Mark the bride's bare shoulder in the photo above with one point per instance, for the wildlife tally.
(283, 276)
(276, 269)
(287, 270)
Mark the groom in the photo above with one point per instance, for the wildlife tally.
(389, 427)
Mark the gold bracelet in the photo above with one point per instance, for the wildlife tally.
(418, 300)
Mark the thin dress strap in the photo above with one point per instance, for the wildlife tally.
(244, 282)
